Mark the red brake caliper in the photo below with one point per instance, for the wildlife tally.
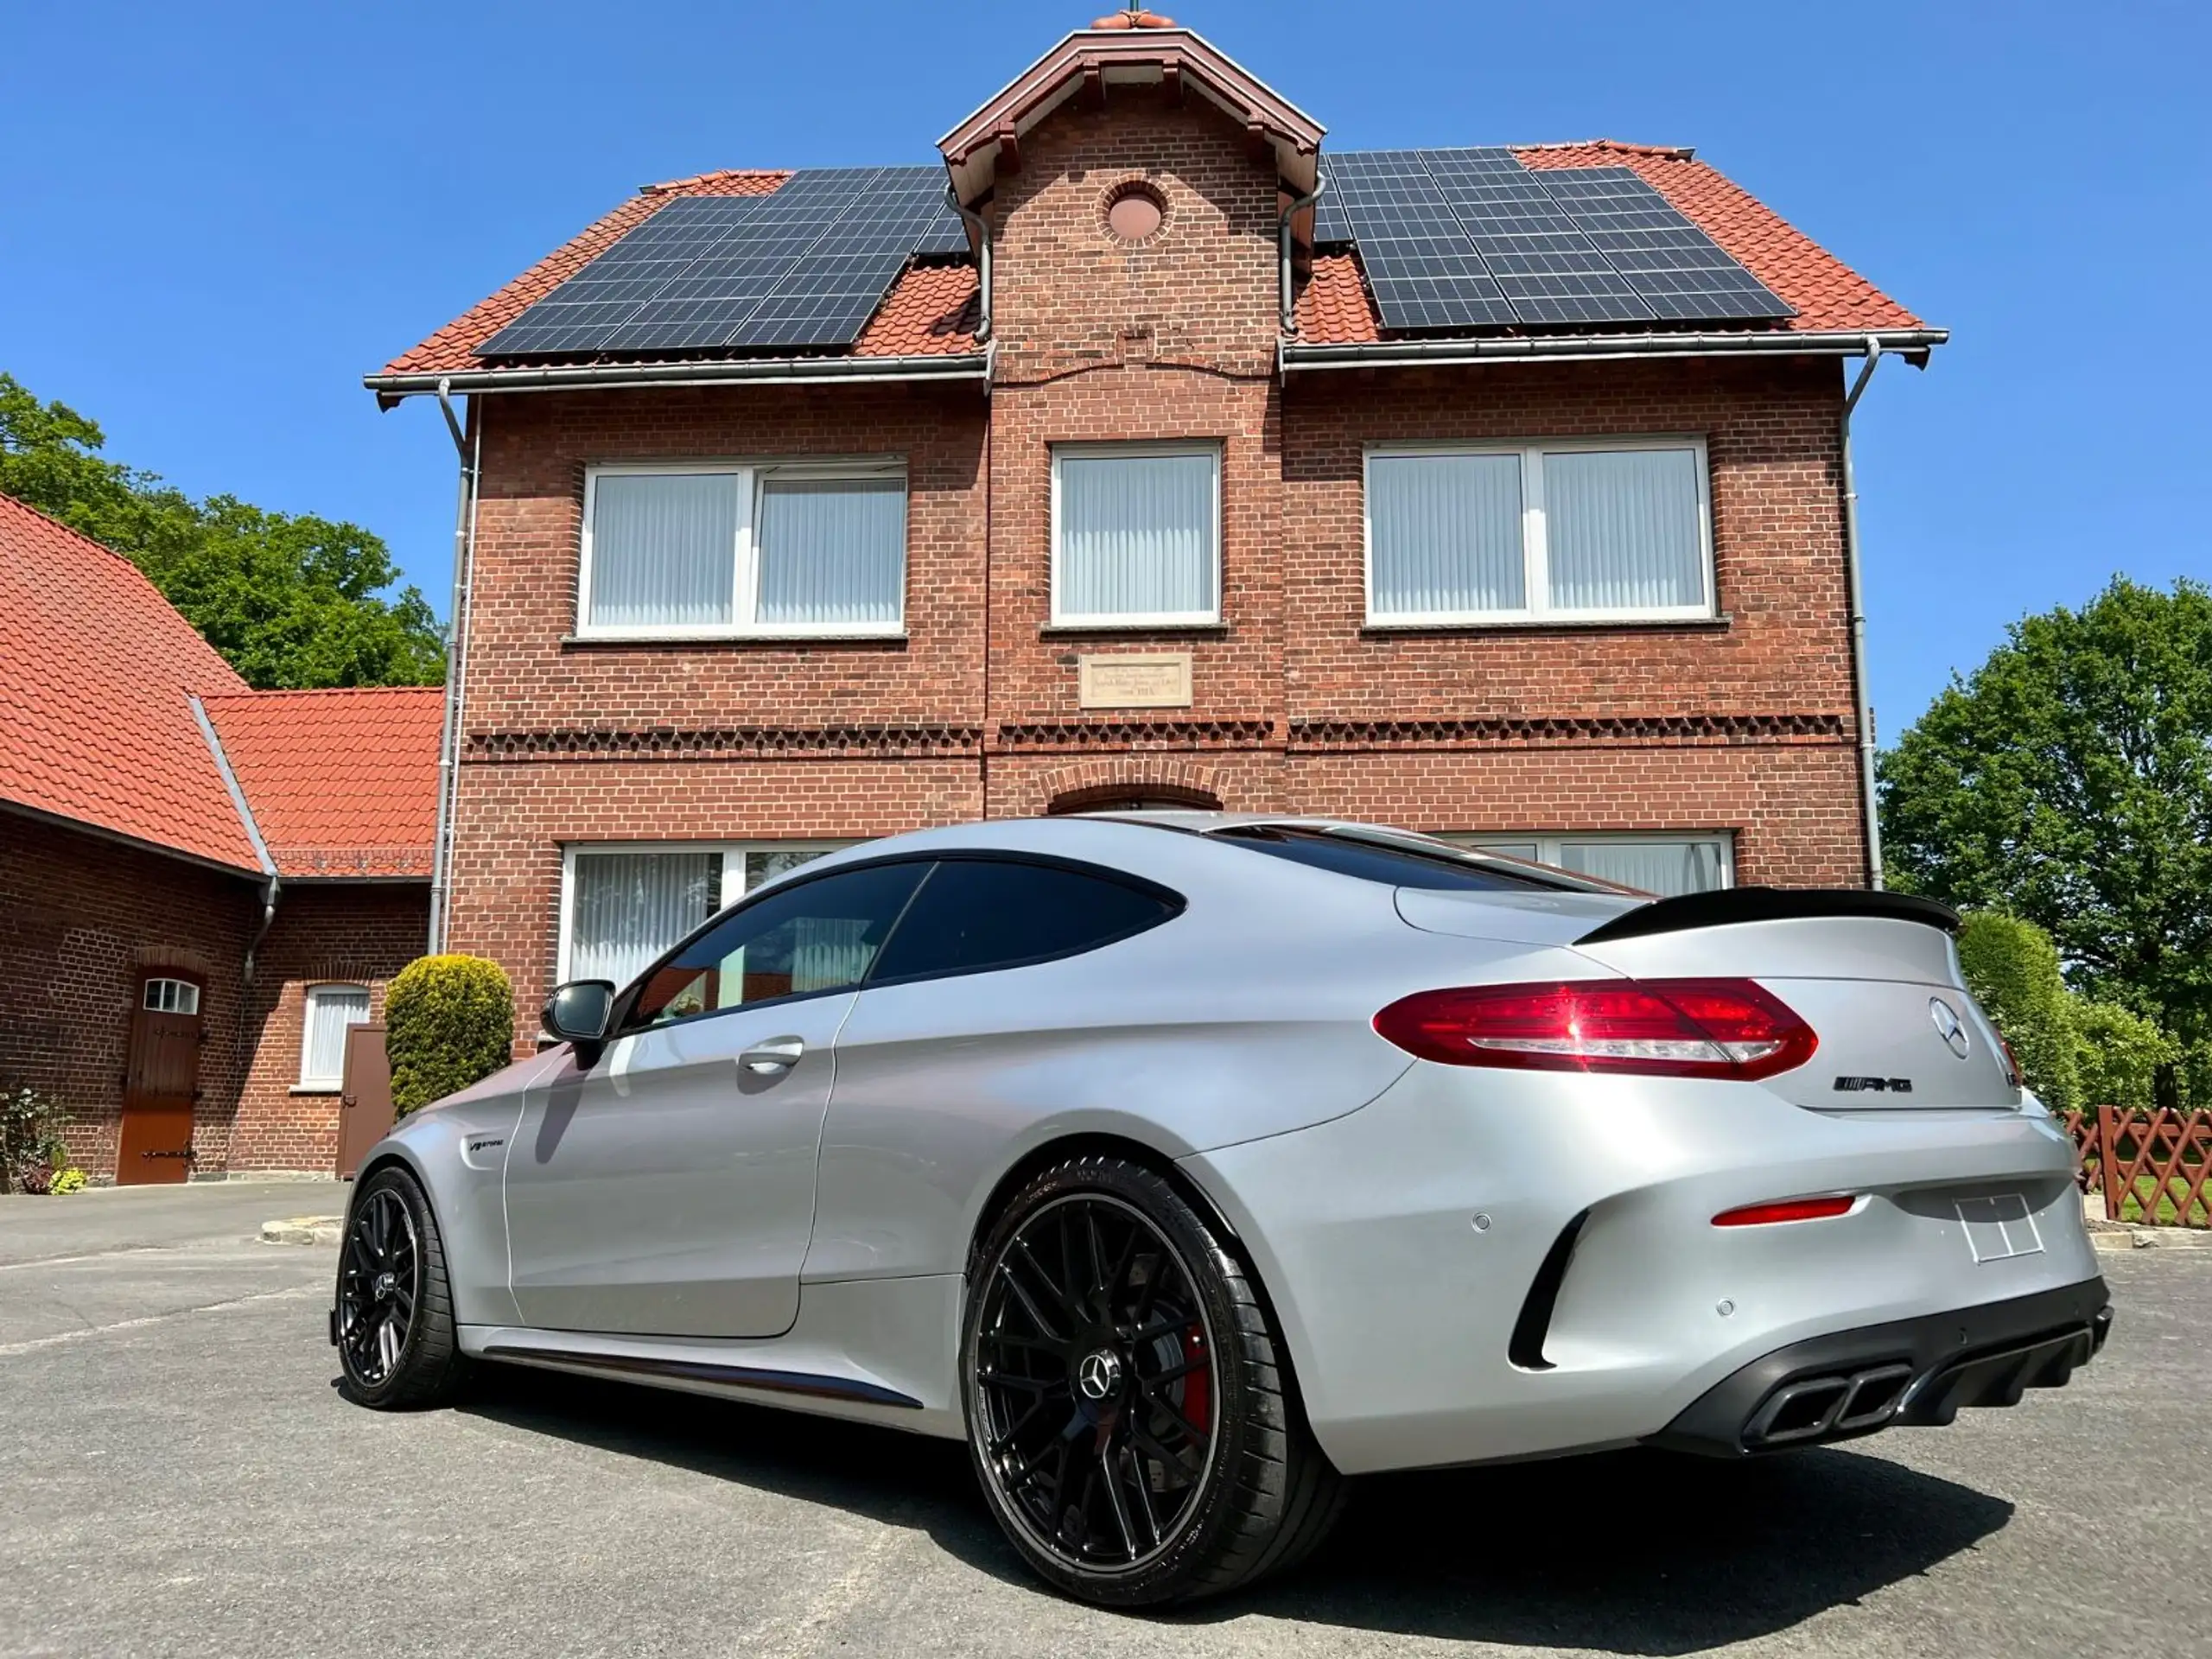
(1198, 1387)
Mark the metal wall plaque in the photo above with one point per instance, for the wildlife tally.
(1135, 680)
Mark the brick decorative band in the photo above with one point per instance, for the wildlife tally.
(1304, 736)
(1314, 734)
(675, 743)
(1140, 735)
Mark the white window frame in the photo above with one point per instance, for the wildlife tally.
(152, 1001)
(1535, 569)
(1141, 450)
(311, 1082)
(753, 475)
(734, 887)
(1548, 842)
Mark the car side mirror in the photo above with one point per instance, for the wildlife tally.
(578, 1011)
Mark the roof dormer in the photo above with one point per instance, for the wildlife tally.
(1129, 49)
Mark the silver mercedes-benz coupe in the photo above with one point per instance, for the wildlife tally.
(1186, 1164)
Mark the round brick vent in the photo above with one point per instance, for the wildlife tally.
(1134, 212)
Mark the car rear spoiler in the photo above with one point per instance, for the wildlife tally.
(1728, 906)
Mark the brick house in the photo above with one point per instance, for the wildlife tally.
(191, 914)
(1159, 484)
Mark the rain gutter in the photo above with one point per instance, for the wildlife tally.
(273, 889)
(1913, 344)
(773, 371)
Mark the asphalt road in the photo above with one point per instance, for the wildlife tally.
(179, 1476)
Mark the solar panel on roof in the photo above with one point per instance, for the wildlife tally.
(806, 264)
(1454, 238)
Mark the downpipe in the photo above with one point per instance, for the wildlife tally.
(975, 222)
(1855, 601)
(1286, 302)
(470, 448)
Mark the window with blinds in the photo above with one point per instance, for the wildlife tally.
(331, 1012)
(1666, 864)
(795, 548)
(1136, 534)
(622, 907)
(1538, 532)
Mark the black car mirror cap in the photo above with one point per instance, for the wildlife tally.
(578, 1011)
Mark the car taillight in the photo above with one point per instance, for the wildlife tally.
(2012, 1062)
(1651, 1027)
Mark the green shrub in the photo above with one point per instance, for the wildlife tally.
(30, 1140)
(65, 1181)
(2012, 968)
(449, 1021)
(2118, 1054)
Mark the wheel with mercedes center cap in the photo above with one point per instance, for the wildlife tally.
(1129, 1405)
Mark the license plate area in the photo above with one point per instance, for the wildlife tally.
(2000, 1226)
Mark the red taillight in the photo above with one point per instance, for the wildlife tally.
(1651, 1027)
(1762, 1215)
(2011, 1061)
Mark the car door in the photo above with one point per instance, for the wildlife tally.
(667, 1187)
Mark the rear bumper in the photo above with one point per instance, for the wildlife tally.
(1477, 1267)
(1910, 1371)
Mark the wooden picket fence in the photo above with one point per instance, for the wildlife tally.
(2152, 1165)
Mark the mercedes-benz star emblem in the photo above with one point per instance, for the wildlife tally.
(1949, 1026)
(1099, 1374)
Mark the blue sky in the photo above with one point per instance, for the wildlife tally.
(213, 220)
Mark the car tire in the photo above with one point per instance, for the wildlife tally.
(398, 1347)
(1114, 1499)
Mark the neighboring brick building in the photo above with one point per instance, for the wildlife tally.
(1153, 503)
(201, 885)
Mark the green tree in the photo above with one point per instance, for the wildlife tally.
(2069, 781)
(291, 599)
(2012, 968)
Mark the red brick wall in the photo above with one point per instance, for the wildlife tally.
(1744, 724)
(80, 918)
(353, 934)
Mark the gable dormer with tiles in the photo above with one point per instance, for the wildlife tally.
(1145, 446)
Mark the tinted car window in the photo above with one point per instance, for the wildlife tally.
(817, 935)
(974, 914)
(1399, 864)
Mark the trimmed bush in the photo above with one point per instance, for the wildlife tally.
(449, 1021)
(2012, 968)
(2118, 1054)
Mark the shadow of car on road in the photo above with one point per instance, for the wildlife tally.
(1634, 1552)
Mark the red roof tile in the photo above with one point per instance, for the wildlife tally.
(1828, 293)
(342, 783)
(1333, 310)
(930, 311)
(96, 675)
(453, 346)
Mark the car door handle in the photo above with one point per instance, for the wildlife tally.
(776, 1054)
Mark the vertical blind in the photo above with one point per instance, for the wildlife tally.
(832, 551)
(1622, 529)
(331, 1010)
(1136, 534)
(1666, 868)
(663, 549)
(1446, 534)
(629, 907)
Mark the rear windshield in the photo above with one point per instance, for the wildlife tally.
(1401, 862)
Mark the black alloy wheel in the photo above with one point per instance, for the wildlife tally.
(1127, 1404)
(1095, 1377)
(379, 1288)
(397, 1344)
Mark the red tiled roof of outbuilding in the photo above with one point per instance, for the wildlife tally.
(97, 675)
(342, 783)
